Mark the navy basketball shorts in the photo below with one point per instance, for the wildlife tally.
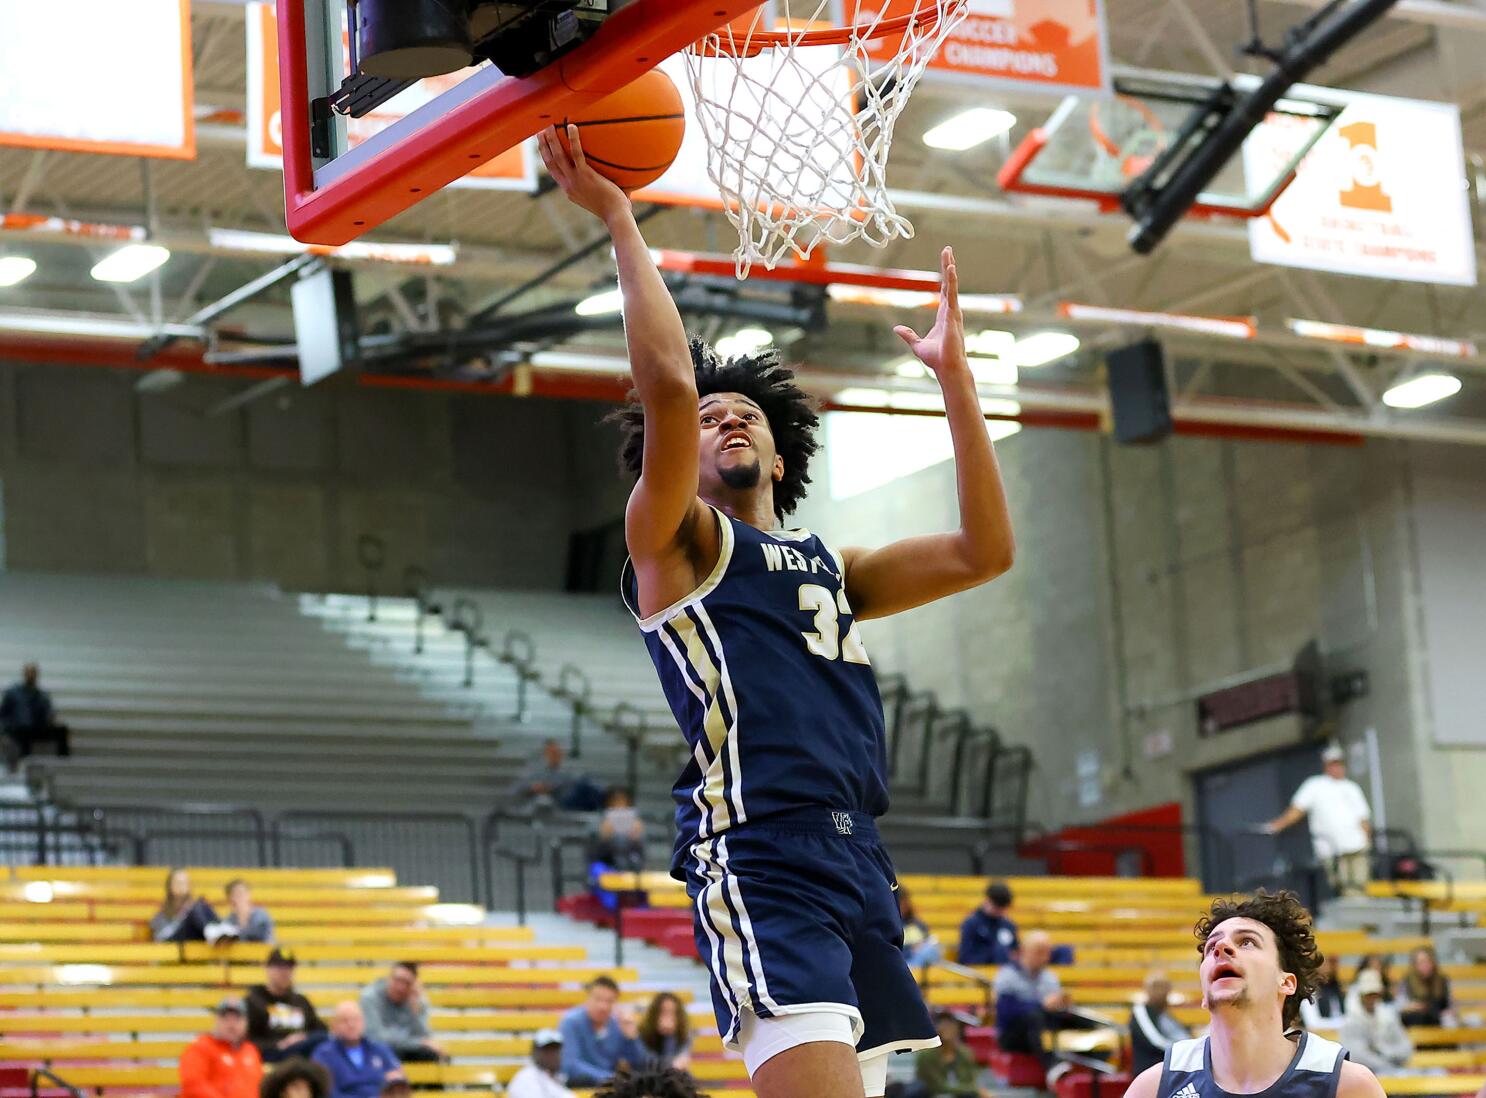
(797, 914)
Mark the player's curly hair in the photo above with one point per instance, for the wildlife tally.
(668, 1083)
(277, 1081)
(1294, 935)
(763, 379)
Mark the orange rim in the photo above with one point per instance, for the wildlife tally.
(755, 42)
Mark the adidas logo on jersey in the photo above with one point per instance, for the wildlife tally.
(1188, 1091)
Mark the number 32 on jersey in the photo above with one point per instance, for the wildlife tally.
(826, 640)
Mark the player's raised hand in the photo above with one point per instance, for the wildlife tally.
(944, 347)
(571, 171)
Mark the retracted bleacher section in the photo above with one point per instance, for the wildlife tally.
(86, 994)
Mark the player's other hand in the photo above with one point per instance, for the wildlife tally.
(943, 349)
(571, 171)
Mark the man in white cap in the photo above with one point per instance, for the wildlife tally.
(542, 1078)
(1341, 822)
(1373, 1033)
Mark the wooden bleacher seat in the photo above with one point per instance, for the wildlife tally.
(203, 998)
(1396, 1086)
(204, 876)
(270, 896)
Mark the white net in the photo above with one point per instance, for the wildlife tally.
(798, 133)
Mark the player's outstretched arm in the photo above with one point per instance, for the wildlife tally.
(1358, 1082)
(917, 570)
(664, 511)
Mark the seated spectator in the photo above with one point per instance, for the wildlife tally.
(27, 718)
(1327, 1008)
(548, 784)
(252, 924)
(358, 1066)
(651, 1084)
(296, 1079)
(949, 1070)
(397, 1015)
(1379, 964)
(1426, 990)
(1153, 1029)
(1373, 1033)
(1030, 1001)
(183, 919)
(620, 840)
(281, 1022)
(665, 1031)
(920, 947)
(542, 1078)
(988, 936)
(221, 1064)
(397, 1086)
(597, 1039)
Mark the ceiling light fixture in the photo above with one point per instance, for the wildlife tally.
(601, 304)
(1041, 348)
(969, 129)
(1421, 390)
(15, 268)
(130, 263)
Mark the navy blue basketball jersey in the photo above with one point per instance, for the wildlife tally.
(1313, 1073)
(765, 672)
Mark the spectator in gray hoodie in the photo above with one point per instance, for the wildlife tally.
(397, 1015)
(252, 924)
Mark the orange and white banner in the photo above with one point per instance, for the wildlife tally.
(1045, 45)
(1383, 194)
(1379, 337)
(512, 170)
(97, 76)
(1231, 327)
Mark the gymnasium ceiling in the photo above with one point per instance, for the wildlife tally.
(1045, 252)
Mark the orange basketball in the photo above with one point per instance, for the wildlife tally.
(632, 135)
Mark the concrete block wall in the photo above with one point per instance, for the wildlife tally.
(101, 478)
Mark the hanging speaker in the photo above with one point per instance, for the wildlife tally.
(412, 39)
(1137, 392)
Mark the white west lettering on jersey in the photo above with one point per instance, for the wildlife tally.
(773, 556)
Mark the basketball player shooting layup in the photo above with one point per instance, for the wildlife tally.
(1259, 960)
(753, 631)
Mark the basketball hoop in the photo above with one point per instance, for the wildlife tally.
(793, 178)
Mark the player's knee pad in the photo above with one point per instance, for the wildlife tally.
(762, 1039)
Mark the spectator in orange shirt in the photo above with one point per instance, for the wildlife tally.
(222, 1063)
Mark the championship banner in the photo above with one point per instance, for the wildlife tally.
(512, 170)
(1053, 46)
(97, 76)
(1383, 195)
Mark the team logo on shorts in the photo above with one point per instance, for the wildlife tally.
(842, 821)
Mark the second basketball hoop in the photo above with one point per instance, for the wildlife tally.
(798, 113)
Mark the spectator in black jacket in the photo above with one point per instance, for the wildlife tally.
(281, 1022)
(1153, 1028)
(27, 718)
(988, 936)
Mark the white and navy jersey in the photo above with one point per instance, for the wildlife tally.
(765, 672)
(1187, 1071)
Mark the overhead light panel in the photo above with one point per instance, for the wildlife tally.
(990, 342)
(744, 341)
(601, 304)
(993, 371)
(1043, 347)
(15, 268)
(969, 128)
(43, 322)
(130, 263)
(910, 368)
(1422, 390)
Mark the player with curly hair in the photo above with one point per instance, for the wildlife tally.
(753, 631)
(1259, 961)
(667, 1083)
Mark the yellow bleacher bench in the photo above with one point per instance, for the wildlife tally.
(107, 892)
(104, 975)
(203, 998)
(385, 952)
(201, 876)
(1398, 1085)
